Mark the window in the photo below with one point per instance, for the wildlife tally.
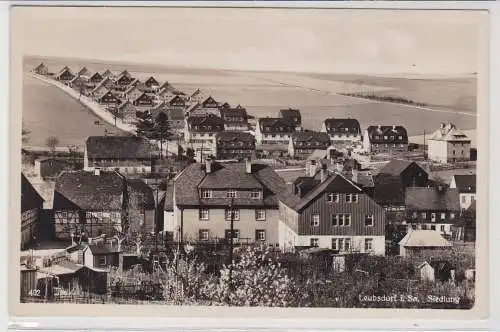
(260, 235)
(414, 215)
(203, 214)
(315, 220)
(453, 152)
(433, 217)
(341, 244)
(452, 215)
(351, 198)
(236, 233)
(443, 216)
(314, 242)
(369, 220)
(255, 195)
(231, 194)
(368, 244)
(424, 215)
(347, 220)
(333, 198)
(414, 226)
(204, 235)
(442, 228)
(102, 260)
(433, 227)
(334, 244)
(347, 244)
(385, 137)
(400, 137)
(341, 220)
(232, 213)
(463, 198)
(206, 193)
(260, 214)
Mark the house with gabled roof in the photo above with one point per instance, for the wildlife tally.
(133, 92)
(176, 101)
(434, 209)
(65, 75)
(84, 72)
(102, 88)
(209, 102)
(78, 82)
(342, 130)
(275, 131)
(385, 139)
(448, 144)
(418, 241)
(152, 84)
(466, 186)
(31, 208)
(96, 78)
(123, 80)
(235, 118)
(234, 145)
(303, 143)
(125, 154)
(200, 132)
(108, 73)
(330, 211)
(197, 96)
(293, 116)
(41, 69)
(207, 196)
(126, 112)
(144, 101)
(410, 173)
(109, 99)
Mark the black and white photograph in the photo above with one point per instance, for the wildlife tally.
(248, 157)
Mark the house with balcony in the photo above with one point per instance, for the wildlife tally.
(434, 209)
(293, 116)
(125, 154)
(303, 143)
(234, 145)
(385, 139)
(235, 118)
(466, 186)
(31, 207)
(274, 131)
(208, 196)
(342, 130)
(329, 211)
(448, 145)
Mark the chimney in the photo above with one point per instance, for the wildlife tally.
(248, 166)
(312, 168)
(97, 171)
(393, 127)
(323, 173)
(208, 165)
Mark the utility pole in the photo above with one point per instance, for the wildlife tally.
(231, 243)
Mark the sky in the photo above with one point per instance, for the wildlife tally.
(320, 40)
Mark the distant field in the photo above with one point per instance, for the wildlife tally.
(264, 94)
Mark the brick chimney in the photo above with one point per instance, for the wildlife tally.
(208, 165)
(248, 166)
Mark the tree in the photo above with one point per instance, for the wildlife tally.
(162, 130)
(52, 142)
(25, 132)
(190, 153)
(144, 125)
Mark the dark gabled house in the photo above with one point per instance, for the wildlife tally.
(234, 145)
(123, 80)
(177, 101)
(133, 91)
(235, 118)
(96, 78)
(108, 74)
(102, 88)
(202, 131)
(385, 139)
(126, 112)
(303, 143)
(65, 75)
(389, 192)
(274, 131)
(109, 99)
(41, 69)
(410, 173)
(432, 208)
(466, 185)
(84, 72)
(31, 207)
(293, 116)
(125, 154)
(330, 211)
(144, 101)
(342, 130)
(209, 102)
(141, 203)
(151, 83)
(203, 193)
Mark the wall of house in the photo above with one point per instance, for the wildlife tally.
(445, 152)
(414, 176)
(112, 259)
(288, 238)
(169, 222)
(432, 216)
(217, 224)
(387, 148)
(29, 225)
(289, 217)
(357, 210)
(275, 138)
(88, 258)
(357, 242)
(230, 153)
(92, 223)
(466, 200)
(123, 166)
(442, 228)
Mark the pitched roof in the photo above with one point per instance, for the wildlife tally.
(310, 136)
(317, 154)
(103, 248)
(334, 182)
(421, 198)
(88, 191)
(395, 167)
(237, 136)
(151, 81)
(101, 84)
(96, 74)
(30, 198)
(84, 71)
(290, 113)
(424, 238)
(132, 86)
(124, 147)
(63, 70)
(387, 134)
(389, 190)
(227, 176)
(465, 183)
(449, 132)
(107, 73)
(40, 66)
(125, 103)
(363, 178)
(203, 122)
(334, 125)
(175, 114)
(269, 125)
(237, 111)
(139, 186)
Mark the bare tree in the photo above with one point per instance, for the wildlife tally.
(52, 142)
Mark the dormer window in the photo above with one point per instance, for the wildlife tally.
(206, 193)
(231, 194)
(333, 198)
(351, 198)
(400, 137)
(385, 137)
(256, 195)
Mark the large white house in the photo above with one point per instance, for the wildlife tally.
(448, 144)
(466, 185)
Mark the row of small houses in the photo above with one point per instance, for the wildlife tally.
(325, 207)
(200, 119)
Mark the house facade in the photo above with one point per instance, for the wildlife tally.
(65, 75)
(109, 99)
(303, 143)
(342, 130)
(385, 139)
(448, 144)
(144, 102)
(410, 173)
(293, 116)
(275, 131)
(234, 145)
(102, 255)
(132, 93)
(124, 154)
(235, 119)
(208, 196)
(434, 209)
(466, 186)
(331, 212)
(200, 134)
(31, 207)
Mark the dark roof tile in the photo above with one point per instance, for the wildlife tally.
(124, 147)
